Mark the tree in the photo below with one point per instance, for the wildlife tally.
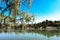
(13, 9)
(25, 19)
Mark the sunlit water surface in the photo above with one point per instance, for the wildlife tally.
(30, 35)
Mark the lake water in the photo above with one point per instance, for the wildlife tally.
(30, 35)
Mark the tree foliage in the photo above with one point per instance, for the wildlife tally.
(13, 7)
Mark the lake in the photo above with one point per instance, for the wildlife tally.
(30, 35)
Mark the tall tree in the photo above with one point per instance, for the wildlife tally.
(13, 9)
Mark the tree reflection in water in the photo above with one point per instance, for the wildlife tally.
(42, 32)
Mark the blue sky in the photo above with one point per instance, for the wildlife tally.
(46, 9)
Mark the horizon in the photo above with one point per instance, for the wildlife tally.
(45, 10)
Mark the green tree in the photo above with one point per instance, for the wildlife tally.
(13, 9)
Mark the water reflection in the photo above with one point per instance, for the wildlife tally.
(30, 35)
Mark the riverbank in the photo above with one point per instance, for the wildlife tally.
(29, 29)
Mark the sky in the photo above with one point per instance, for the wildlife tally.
(45, 10)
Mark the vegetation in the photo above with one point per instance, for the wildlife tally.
(11, 10)
(47, 23)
